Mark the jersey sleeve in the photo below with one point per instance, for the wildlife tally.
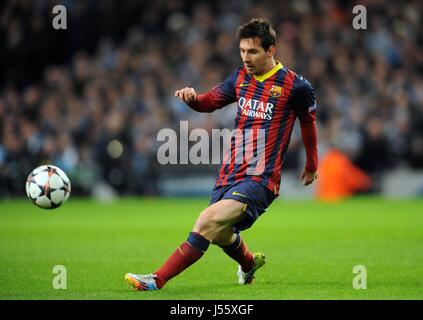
(304, 100)
(218, 97)
(304, 103)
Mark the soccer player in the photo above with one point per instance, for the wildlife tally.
(269, 97)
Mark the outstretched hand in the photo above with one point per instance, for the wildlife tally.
(308, 177)
(186, 94)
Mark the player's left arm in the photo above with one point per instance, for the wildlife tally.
(216, 98)
(304, 102)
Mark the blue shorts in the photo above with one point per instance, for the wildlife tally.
(256, 197)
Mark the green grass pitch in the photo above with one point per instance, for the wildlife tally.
(311, 249)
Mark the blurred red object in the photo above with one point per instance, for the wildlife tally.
(339, 178)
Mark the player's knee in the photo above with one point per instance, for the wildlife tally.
(201, 225)
(207, 224)
(209, 216)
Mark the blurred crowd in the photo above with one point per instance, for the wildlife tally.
(91, 99)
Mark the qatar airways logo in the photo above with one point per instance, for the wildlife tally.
(256, 108)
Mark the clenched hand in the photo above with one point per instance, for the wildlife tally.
(186, 94)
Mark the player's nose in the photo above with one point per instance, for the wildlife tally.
(245, 58)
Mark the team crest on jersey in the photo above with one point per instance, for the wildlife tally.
(275, 91)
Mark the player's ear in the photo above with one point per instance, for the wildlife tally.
(271, 51)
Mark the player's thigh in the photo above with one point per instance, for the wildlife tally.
(215, 222)
(226, 212)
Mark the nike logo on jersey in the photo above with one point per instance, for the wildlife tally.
(244, 85)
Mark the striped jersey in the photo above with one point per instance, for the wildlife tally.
(267, 107)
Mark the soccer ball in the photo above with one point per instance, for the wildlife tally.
(48, 187)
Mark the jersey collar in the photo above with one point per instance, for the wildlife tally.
(270, 73)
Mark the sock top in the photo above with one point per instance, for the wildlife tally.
(197, 241)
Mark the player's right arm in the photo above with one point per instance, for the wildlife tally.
(216, 98)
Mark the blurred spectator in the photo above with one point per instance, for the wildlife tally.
(375, 154)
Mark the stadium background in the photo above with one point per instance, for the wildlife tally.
(66, 94)
(91, 100)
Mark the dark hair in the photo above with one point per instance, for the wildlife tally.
(258, 28)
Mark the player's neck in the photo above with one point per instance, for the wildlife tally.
(270, 66)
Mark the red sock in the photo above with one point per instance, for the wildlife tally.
(187, 253)
(240, 253)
